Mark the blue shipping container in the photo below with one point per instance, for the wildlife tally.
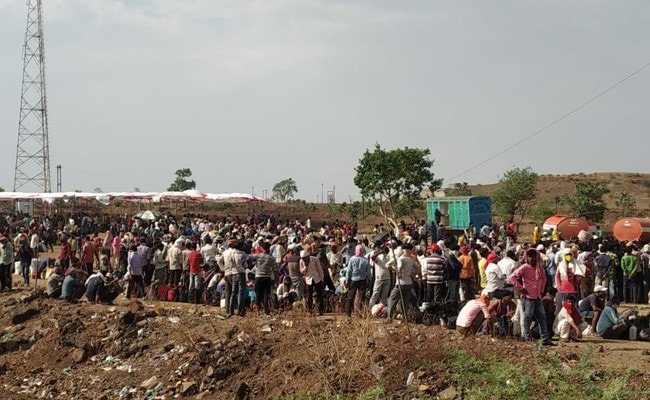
(457, 212)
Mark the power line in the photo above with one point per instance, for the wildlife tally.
(552, 123)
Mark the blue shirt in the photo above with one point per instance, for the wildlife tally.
(608, 318)
(358, 269)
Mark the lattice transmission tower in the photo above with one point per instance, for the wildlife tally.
(33, 149)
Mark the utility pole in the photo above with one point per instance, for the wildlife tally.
(59, 183)
(322, 193)
(33, 148)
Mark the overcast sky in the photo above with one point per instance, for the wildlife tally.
(248, 93)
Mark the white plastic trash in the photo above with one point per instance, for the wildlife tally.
(33, 267)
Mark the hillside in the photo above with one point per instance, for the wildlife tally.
(636, 185)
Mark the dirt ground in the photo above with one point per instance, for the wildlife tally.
(158, 350)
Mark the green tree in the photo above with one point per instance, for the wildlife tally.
(395, 179)
(182, 183)
(515, 193)
(626, 204)
(462, 190)
(2, 189)
(540, 211)
(98, 190)
(587, 202)
(284, 190)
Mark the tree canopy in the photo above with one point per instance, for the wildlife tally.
(461, 190)
(515, 193)
(588, 200)
(395, 178)
(284, 190)
(182, 183)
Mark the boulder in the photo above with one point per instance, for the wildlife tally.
(79, 355)
(188, 388)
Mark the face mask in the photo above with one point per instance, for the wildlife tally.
(567, 258)
(615, 307)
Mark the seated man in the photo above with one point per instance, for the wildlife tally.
(54, 282)
(502, 311)
(72, 288)
(44, 266)
(568, 322)
(100, 287)
(592, 306)
(610, 324)
(473, 315)
(286, 294)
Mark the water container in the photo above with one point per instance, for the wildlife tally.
(33, 268)
(632, 333)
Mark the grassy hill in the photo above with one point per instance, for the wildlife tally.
(550, 187)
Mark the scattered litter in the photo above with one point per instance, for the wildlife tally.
(409, 380)
(174, 320)
(125, 368)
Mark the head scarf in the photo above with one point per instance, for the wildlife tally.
(573, 312)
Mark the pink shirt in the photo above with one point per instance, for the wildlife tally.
(533, 279)
(312, 270)
(468, 313)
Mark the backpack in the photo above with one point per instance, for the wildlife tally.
(162, 292)
(171, 293)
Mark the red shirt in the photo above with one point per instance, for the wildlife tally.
(196, 260)
(88, 253)
(65, 250)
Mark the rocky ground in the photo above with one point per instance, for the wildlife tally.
(157, 350)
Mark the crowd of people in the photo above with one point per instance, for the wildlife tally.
(549, 286)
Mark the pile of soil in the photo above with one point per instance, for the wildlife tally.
(52, 349)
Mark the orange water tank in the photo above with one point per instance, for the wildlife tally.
(567, 226)
(629, 229)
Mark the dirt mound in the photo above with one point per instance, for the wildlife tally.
(154, 350)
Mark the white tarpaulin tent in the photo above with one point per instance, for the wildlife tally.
(105, 198)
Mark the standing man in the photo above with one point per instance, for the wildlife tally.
(208, 252)
(404, 267)
(34, 242)
(310, 267)
(381, 288)
(89, 253)
(357, 277)
(65, 253)
(235, 275)
(293, 266)
(6, 262)
(265, 271)
(435, 273)
(530, 281)
(135, 268)
(174, 259)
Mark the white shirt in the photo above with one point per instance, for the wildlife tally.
(507, 265)
(34, 241)
(494, 277)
